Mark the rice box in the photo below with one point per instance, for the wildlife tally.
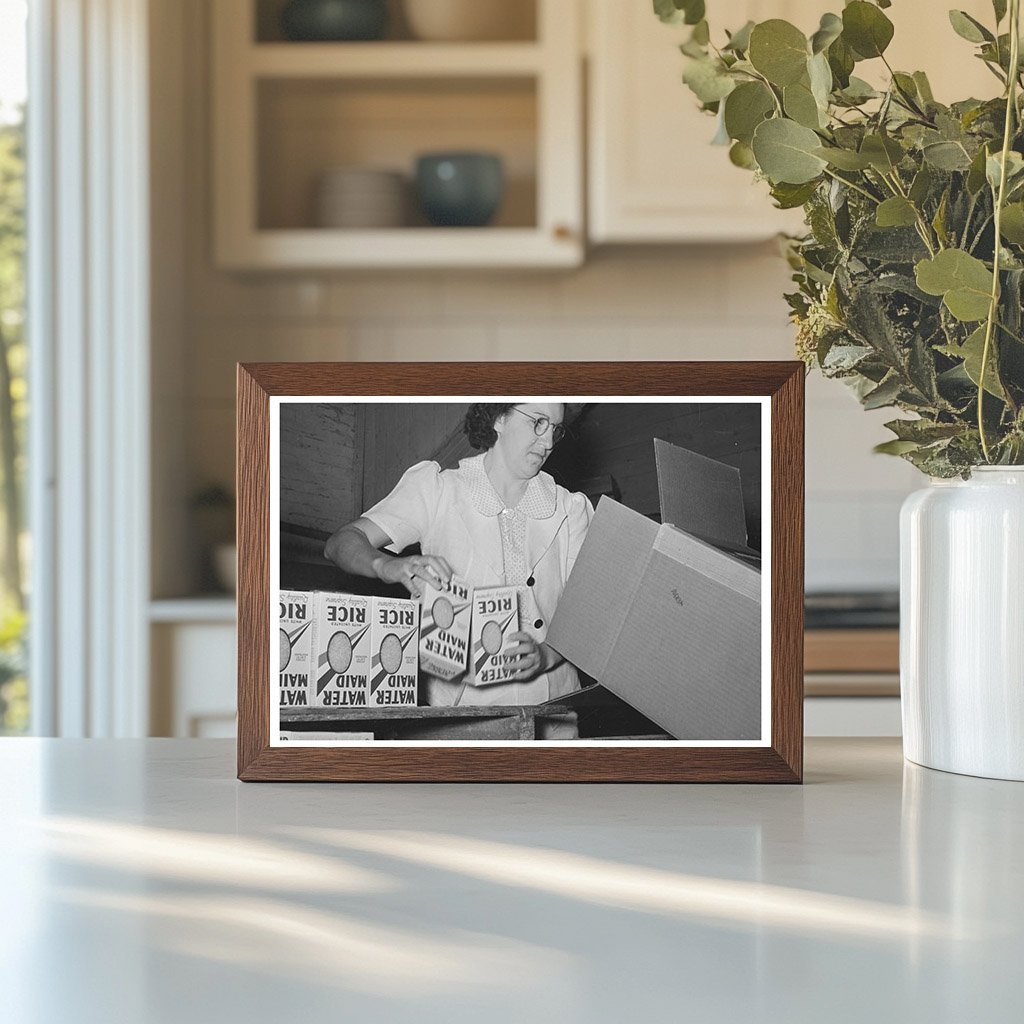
(341, 651)
(295, 622)
(445, 616)
(394, 651)
(495, 619)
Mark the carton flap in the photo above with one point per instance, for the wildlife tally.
(700, 495)
(688, 655)
(717, 566)
(601, 586)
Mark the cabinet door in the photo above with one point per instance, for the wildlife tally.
(653, 174)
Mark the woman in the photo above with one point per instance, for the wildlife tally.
(495, 521)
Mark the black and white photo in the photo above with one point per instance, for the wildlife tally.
(538, 570)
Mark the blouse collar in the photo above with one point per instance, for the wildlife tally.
(538, 501)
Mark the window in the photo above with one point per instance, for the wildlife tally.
(14, 548)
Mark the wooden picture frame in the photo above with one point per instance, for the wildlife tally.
(778, 757)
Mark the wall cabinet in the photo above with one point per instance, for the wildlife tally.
(653, 175)
(287, 113)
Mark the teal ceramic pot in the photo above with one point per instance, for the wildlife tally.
(460, 189)
(334, 20)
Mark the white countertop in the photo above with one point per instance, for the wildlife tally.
(143, 884)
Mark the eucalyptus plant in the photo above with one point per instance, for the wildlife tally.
(910, 278)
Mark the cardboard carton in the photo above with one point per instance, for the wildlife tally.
(340, 676)
(665, 618)
(295, 621)
(444, 628)
(394, 651)
(495, 619)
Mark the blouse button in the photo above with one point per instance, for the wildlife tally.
(538, 624)
(530, 582)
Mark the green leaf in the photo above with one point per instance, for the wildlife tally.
(895, 447)
(923, 431)
(1011, 226)
(701, 33)
(841, 60)
(921, 185)
(785, 152)
(745, 108)
(866, 29)
(800, 105)
(946, 156)
(820, 76)
(844, 159)
(739, 41)
(883, 153)
(1014, 169)
(924, 88)
(968, 28)
(676, 12)
(721, 136)
(789, 197)
(896, 212)
(963, 281)
(999, 7)
(829, 30)
(778, 50)
(939, 220)
(742, 155)
(858, 91)
(971, 352)
(976, 175)
(885, 394)
(906, 89)
(707, 80)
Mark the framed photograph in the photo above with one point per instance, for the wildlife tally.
(515, 572)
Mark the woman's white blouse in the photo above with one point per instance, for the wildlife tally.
(457, 515)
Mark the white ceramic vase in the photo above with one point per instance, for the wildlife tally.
(962, 624)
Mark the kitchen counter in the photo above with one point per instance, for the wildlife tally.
(144, 884)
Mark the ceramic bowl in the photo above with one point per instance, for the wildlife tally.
(334, 20)
(358, 197)
(461, 189)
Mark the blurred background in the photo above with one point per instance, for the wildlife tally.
(249, 180)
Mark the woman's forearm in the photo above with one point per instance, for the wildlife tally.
(349, 549)
(550, 657)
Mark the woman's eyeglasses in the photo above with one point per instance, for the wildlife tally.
(541, 425)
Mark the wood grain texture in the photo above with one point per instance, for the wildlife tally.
(782, 762)
(252, 484)
(852, 650)
(787, 567)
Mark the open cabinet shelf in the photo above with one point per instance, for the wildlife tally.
(286, 114)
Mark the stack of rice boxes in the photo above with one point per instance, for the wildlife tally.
(352, 651)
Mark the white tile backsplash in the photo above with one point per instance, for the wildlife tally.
(716, 302)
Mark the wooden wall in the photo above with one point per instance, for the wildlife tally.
(617, 440)
(338, 460)
(321, 465)
(399, 435)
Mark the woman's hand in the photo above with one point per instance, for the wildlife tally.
(533, 656)
(412, 572)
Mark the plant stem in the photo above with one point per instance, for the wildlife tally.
(922, 225)
(1012, 334)
(993, 309)
(855, 187)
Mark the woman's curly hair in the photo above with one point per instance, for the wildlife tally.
(479, 424)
